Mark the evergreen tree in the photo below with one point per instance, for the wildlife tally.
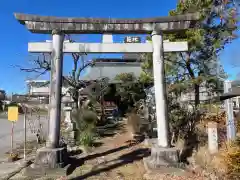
(187, 70)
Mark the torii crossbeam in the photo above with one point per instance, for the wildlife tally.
(46, 47)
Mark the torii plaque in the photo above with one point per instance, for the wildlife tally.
(154, 26)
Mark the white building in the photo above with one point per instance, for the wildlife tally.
(41, 88)
(2, 95)
(110, 68)
(38, 87)
(204, 95)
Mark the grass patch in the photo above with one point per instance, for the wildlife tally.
(31, 146)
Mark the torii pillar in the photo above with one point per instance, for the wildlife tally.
(54, 156)
(56, 89)
(160, 89)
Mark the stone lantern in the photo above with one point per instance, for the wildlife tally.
(70, 130)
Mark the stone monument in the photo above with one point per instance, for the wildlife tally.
(212, 137)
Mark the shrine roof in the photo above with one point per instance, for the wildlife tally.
(110, 70)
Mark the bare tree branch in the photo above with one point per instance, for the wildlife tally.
(42, 64)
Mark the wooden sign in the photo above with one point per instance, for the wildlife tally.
(132, 39)
(13, 113)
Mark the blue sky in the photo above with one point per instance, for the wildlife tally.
(14, 37)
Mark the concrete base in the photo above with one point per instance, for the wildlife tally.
(167, 157)
(47, 161)
(150, 142)
(42, 173)
(50, 158)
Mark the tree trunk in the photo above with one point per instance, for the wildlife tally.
(196, 86)
(102, 109)
(197, 95)
(76, 99)
(76, 103)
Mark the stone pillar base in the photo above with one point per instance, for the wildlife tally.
(168, 157)
(48, 162)
(50, 158)
(150, 142)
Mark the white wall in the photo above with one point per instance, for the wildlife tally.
(43, 90)
(39, 90)
(203, 96)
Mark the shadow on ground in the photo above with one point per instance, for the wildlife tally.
(127, 158)
(122, 160)
(110, 129)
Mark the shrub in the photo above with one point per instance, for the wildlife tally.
(85, 126)
(87, 138)
(237, 120)
(182, 120)
(231, 158)
(133, 123)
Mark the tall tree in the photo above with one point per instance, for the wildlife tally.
(218, 24)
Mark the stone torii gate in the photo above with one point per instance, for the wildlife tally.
(59, 26)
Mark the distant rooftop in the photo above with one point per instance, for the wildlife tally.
(37, 80)
(38, 83)
(110, 68)
(236, 83)
(133, 56)
(103, 68)
(118, 60)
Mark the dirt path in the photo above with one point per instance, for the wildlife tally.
(119, 159)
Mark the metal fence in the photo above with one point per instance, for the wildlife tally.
(29, 131)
